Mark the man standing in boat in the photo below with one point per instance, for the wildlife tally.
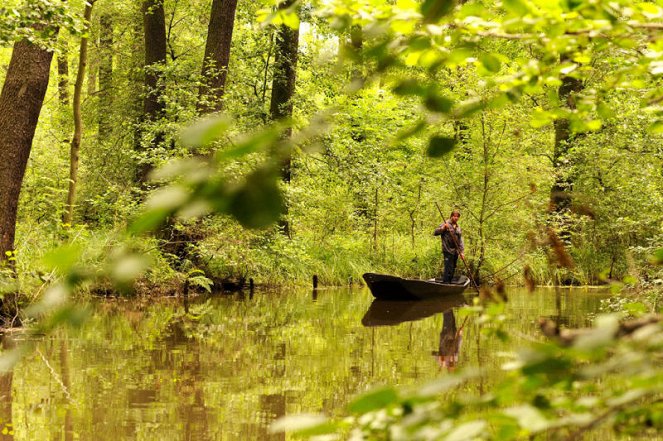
(452, 244)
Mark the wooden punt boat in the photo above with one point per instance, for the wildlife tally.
(392, 312)
(388, 287)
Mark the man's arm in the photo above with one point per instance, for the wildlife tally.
(439, 230)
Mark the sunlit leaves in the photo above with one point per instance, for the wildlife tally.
(467, 431)
(374, 400)
(287, 16)
(205, 132)
(64, 258)
(470, 107)
(650, 10)
(528, 417)
(254, 200)
(541, 118)
(127, 268)
(518, 8)
(490, 62)
(38, 21)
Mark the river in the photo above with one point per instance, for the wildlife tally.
(224, 370)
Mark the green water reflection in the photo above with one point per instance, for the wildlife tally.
(146, 370)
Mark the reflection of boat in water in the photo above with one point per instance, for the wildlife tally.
(396, 288)
(389, 313)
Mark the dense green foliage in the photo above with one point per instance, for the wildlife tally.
(438, 103)
(479, 85)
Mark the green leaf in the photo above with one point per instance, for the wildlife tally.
(490, 62)
(128, 268)
(656, 128)
(594, 125)
(635, 308)
(258, 203)
(290, 19)
(438, 103)
(148, 221)
(311, 424)
(436, 387)
(467, 431)
(650, 10)
(600, 336)
(517, 7)
(260, 141)
(205, 131)
(460, 55)
(434, 10)
(470, 107)
(657, 257)
(64, 258)
(414, 130)
(377, 399)
(410, 87)
(528, 417)
(168, 198)
(541, 118)
(440, 145)
(9, 358)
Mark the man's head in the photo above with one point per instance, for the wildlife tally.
(455, 215)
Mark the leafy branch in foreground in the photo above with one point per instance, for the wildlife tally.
(596, 380)
(191, 188)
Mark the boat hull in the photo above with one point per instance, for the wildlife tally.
(387, 287)
(392, 312)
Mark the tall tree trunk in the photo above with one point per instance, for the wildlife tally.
(560, 193)
(74, 152)
(63, 115)
(283, 90)
(154, 24)
(217, 56)
(283, 84)
(20, 104)
(105, 75)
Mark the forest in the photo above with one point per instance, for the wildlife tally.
(171, 148)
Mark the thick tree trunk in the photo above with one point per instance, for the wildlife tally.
(20, 104)
(283, 84)
(217, 56)
(283, 90)
(561, 190)
(154, 24)
(560, 194)
(105, 75)
(74, 152)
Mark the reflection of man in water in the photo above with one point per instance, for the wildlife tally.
(450, 339)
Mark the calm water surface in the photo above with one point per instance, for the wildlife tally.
(147, 370)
